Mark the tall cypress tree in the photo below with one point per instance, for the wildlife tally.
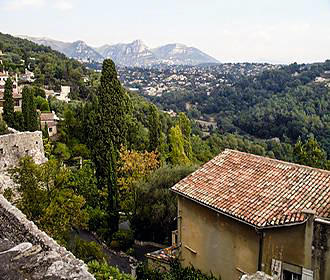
(8, 108)
(154, 129)
(107, 132)
(29, 110)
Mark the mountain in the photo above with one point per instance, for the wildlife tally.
(78, 50)
(138, 54)
(131, 54)
(181, 54)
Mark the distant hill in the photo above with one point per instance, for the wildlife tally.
(131, 54)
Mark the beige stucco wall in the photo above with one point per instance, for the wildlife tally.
(223, 246)
(285, 244)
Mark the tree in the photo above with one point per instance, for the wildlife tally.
(3, 126)
(108, 128)
(8, 108)
(45, 197)
(154, 129)
(177, 154)
(156, 206)
(133, 167)
(310, 153)
(29, 110)
(185, 126)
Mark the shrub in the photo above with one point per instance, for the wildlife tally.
(125, 239)
(87, 251)
(103, 271)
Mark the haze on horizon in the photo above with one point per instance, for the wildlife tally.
(231, 31)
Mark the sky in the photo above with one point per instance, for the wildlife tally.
(275, 31)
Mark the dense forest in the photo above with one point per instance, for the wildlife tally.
(284, 104)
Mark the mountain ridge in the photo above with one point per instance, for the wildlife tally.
(136, 53)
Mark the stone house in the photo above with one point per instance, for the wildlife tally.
(51, 120)
(240, 213)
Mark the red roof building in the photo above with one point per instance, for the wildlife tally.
(240, 213)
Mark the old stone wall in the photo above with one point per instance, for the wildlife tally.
(42, 256)
(19, 144)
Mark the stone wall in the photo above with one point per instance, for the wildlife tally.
(42, 257)
(19, 144)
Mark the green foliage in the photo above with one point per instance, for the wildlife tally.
(102, 271)
(62, 152)
(177, 143)
(154, 129)
(310, 153)
(108, 130)
(29, 110)
(156, 204)
(87, 251)
(50, 68)
(8, 108)
(46, 198)
(41, 104)
(3, 126)
(124, 238)
(176, 272)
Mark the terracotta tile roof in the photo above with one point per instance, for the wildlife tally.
(259, 191)
(47, 117)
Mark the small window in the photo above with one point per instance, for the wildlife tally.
(291, 272)
(1, 151)
(288, 275)
(37, 142)
(50, 129)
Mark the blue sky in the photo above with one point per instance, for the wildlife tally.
(279, 31)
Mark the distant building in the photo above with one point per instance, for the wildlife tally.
(28, 76)
(4, 76)
(64, 94)
(51, 120)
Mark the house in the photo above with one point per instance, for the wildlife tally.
(241, 213)
(28, 76)
(4, 76)
(51, 120)
(64, 94)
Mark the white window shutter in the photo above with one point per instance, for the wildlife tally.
(307, 274)
(276, 268)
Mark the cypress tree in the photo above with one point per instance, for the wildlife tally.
(154, 129)
(107, 132)
(8, 108)
(29, 110)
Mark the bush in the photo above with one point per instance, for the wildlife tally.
(87, 251)
(125, 239)
(156, 205)
(103, 271)
(176, 272)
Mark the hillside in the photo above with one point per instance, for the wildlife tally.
(51, 68)
(285, 103)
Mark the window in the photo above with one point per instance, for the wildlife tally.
(287, 275)
(50, 129)
(291, 272)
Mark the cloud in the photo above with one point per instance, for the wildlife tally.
(21, 4)
(63, 5)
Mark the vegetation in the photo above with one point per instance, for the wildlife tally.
(176, 272)
(8, 108)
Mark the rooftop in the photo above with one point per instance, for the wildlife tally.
(260, 191)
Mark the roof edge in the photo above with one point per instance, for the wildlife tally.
(236, 218)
